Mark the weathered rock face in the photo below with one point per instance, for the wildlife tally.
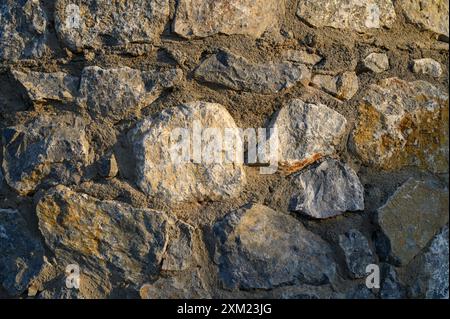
(306, 133)
(343, 86)
(87, 24)
(200, 179)
(23, 29)
(412, 217)
(302, 56)
(47, 147)
(259, 248)
(429, 14)
(327, 190)
(403, 123)
(358, 254)
(427, 66)
(391, 288)
(202, 18)
(42, 87)
(109, 240)
(21, 254)
(429, 272)
(357, 15)
(376, 62)
(115, 94)
(238, 74)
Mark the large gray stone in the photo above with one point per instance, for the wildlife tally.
(428, 14)
(190, 179)
(202, 18)
(357, 252)
(86, 24)
(47, 147)
(306, 133)
(411, 217)
(117, 93)
(21, 254)
(259, 248)
(43, 87)
(357, 15)
(328, 190)
(23, 29)
(236, 73)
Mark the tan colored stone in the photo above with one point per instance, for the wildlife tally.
(429, 14)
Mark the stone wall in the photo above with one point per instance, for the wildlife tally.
(357, 91)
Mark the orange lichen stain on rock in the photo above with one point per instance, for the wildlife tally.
(289, 169)
(364, 134)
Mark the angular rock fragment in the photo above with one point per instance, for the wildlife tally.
(21, 254)
(108, 166)
(169, 170)
(412, 217)
(357, 15)
(87, 24)
(179, 250)
(376, 62)
(236, 73)
(301, 56)
(115, 94)
(259, 248)
(358, 254)
(23, 29)
(427, 66)
(343, 86)
(328, 190)
(429, 272)
(42, 87)
(306, 133)
(47, 147)
(429, 14)
(107, 239)
(403, 123)
(202, 18)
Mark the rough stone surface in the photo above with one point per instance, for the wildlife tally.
(429, 272)
(23, 29)
(108, 166)
(259, 248)
(156, 173)
(403, 123)
(390, 288)
(236, 73)
(328, 190)
(376, 62)
(358, 254)
(85, 24)
(44, 148)
(412, 217)
(301, 56)
(202, 18)
(429, 14)
(42, 87)
(427, 66)
(306, 133)
(21, 254)
(357, 15)
(117, 93)
(343, 86)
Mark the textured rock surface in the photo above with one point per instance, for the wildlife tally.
(117, 93)
(429, 14)
(259, 248)
(301, 56)
(343, 86)
(427, 66)
(391, 288)
(237, 73)
(357, 15)
(358, 254)
(44, 148)
(85, 24)
(307, 132)
(21, 254)
(330, 189)
(403, 123)
(412, 217)
(376, 62)
(42, 87)
(156, 173)
(202, 18)
(23, 29)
